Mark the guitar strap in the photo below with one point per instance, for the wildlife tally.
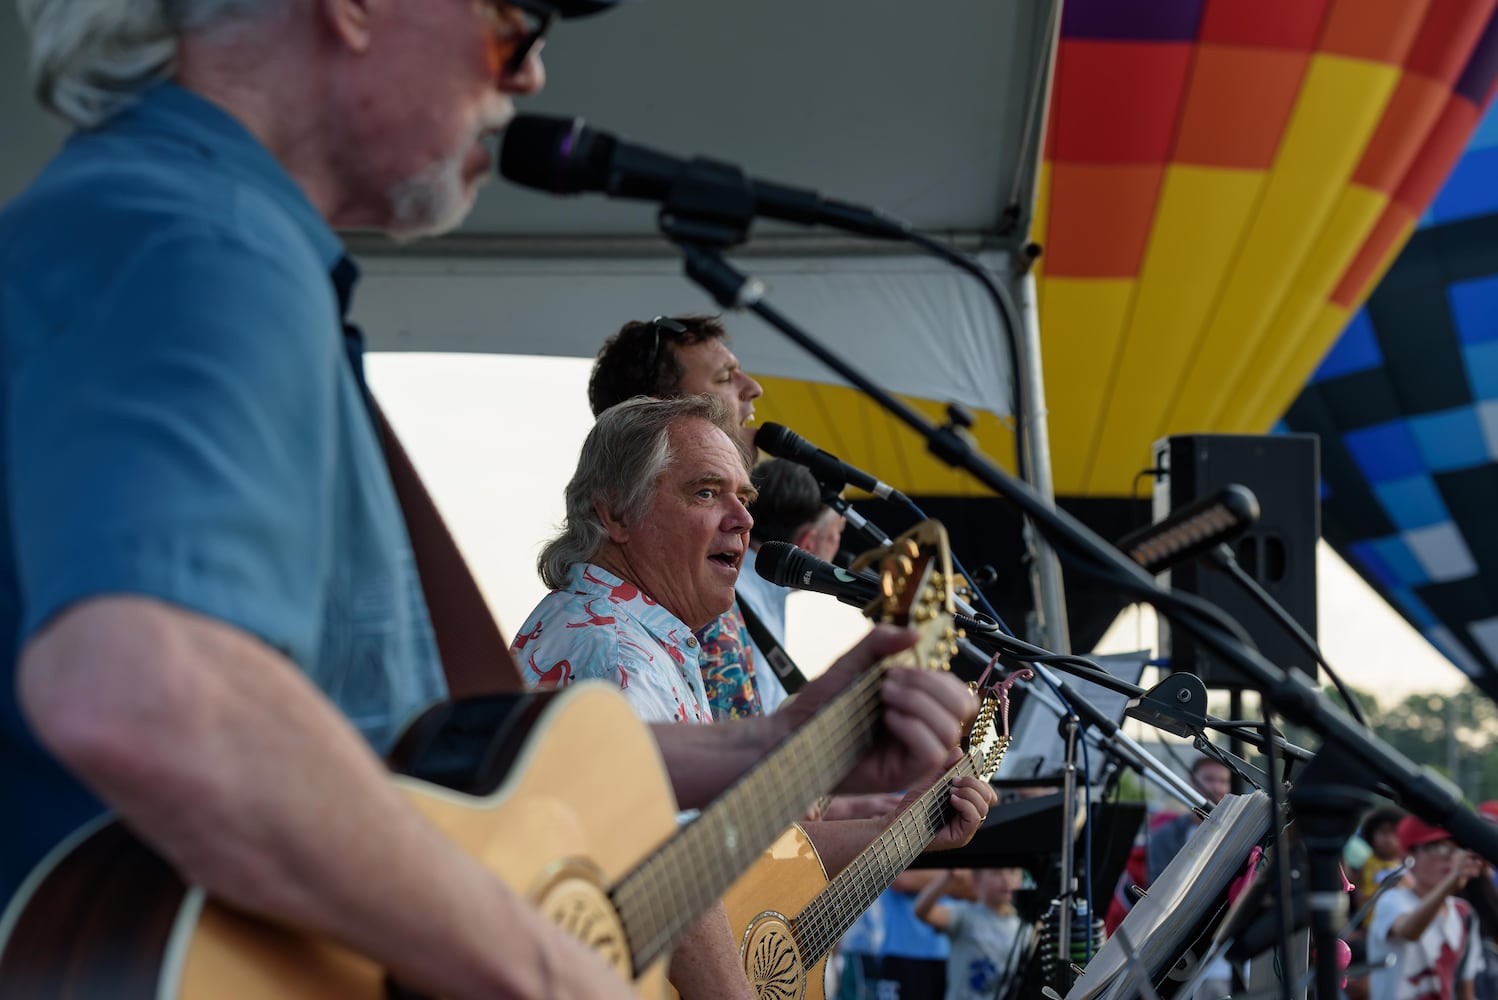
(475, 656)
(791, 677)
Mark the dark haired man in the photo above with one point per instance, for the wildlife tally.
(673, 356)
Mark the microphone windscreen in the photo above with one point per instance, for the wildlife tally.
(541, 151)
(774, 439)
(771, 560)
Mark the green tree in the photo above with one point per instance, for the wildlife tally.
(1448, 733)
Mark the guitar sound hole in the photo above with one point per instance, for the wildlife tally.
(580, 908)
(773, 962)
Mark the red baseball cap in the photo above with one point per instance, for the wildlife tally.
(1414, 831)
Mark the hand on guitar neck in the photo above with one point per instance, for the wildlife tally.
(971, 798)
(458, 855)
(925, 711)
(839, 841)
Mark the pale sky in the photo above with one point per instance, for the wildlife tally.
(496, 438)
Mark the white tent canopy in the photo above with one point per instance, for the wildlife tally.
(875, 311)
(926, 111)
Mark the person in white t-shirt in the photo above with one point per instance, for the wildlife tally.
(1431, 933)
(989, 939)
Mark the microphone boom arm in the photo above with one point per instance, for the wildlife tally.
(1420, 790)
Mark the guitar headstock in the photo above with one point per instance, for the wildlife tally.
(989, 737)
(916, 585)
(985, 744)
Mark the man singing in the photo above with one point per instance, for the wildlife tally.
(208, 604)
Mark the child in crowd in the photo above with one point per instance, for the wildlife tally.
(988, 938)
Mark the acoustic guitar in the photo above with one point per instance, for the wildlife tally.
(792, 915)
(103, 916)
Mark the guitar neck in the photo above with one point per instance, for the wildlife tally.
(667, 893)
(823, 922)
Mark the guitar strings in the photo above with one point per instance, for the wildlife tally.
(701, 860)
(837, 907)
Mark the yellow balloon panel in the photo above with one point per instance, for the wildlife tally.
(1280, 393)
(848, 424)
(1290, 332)
(1339, 107)
(1084, 322)
(1200, 222)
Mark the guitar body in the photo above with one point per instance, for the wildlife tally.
(787, 877)
(104, 917)
(562, 795)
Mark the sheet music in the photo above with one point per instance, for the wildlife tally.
(1192, 884)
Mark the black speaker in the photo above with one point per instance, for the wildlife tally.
(1279, 551)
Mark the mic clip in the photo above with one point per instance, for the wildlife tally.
(709, 203)
(1178, 705)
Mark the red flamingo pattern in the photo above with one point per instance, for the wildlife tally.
(560, 674)
(599, 627)
(527, 637)
(594, 618)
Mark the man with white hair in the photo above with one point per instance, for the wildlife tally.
(657, 528)
(206, 586)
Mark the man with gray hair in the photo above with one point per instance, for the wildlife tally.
(207, 593)
(657, 526)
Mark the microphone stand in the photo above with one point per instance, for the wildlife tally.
(1116, 743)
(703, 223)
(833, 498)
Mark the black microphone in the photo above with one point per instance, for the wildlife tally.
(786, 565)
(782, 442)
(565, 156)
(1192, 529)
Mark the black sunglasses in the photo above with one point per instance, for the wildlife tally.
(657, 325)
(516, 28)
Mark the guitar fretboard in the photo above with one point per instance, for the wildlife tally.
(827, 918)
(669, 891)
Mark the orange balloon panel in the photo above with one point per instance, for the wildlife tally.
(1224, 182)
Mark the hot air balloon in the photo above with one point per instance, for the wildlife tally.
(1224, 183)
(1406, 405)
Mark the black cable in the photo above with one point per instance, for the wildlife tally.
(1222, 558)
(1282, 908)
(1008, 315)
(986, 636)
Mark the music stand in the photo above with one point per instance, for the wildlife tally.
(1171, 927)
(1037, 753)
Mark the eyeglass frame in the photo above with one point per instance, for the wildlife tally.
(658, 324)
(532, 37)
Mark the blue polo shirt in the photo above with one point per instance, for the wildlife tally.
(181, 418)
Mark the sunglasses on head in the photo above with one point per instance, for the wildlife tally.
(516, 27)
(657, 325)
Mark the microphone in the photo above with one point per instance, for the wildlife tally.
(786, 565)
(782, 442)
(1190, 530)
(565, 156)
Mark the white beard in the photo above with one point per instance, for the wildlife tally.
(432, 202)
